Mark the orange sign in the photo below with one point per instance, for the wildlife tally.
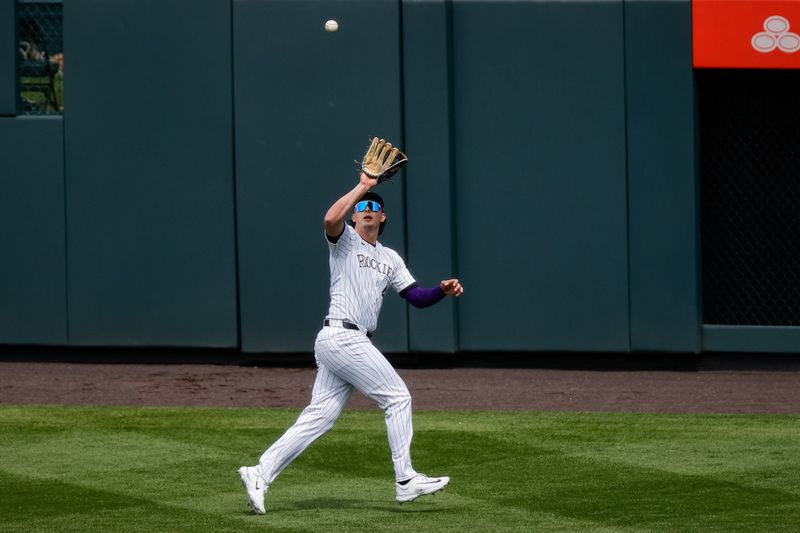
(746, 33)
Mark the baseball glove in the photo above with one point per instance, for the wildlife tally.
(382, 161)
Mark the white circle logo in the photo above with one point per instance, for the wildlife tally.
(777, 35)
(776, 24)
(764, 42)
(789, 43)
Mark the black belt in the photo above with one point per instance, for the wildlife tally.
(347, 325)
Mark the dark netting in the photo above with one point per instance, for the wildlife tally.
(749, 129)
(41, 57)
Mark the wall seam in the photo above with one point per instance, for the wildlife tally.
(236, 260)
(67, 324)
(404, 187)
(627, 171)
(451, 156)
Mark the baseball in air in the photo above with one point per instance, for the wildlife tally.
(331, 25)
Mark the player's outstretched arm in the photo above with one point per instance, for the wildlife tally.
(422, 297)
(334, 218)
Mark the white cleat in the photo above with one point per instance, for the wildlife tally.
(420, 485)
(255, 487)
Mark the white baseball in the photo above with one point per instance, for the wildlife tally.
(331, 25)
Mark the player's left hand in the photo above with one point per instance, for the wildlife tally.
(452, 287)
(367, 181)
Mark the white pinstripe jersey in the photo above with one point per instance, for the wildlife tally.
(360, 275)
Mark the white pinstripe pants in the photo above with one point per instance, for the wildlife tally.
(346, 359)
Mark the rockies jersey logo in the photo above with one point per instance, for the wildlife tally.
(368, 262)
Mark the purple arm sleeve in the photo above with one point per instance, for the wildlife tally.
(422, 297)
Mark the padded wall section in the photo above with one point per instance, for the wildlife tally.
(304, 111)
(664, 264)
(751, 339)
(540, 175)
(32, 272)
(149, 165)
(428, 178)
(8, 58)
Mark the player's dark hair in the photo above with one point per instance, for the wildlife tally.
(375, 197)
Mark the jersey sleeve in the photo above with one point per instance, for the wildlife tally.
(343, 243)
(401, 277)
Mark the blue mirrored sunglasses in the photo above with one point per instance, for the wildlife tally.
(364, 204)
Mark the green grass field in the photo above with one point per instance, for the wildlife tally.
(114, 469)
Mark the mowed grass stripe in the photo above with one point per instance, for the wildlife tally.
(155, 469)
(600, 484)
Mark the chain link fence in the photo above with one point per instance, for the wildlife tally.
(41, 57)
(749, 131)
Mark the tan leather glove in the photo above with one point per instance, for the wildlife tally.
(382, 161)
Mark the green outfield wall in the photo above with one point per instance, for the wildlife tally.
(539, 129)
(304, 110)
(33, 296)
(663, 221)
(429, 183)
(179, 200)
(148, 145)
(8, 58)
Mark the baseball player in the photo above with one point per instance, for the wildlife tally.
(361, 271)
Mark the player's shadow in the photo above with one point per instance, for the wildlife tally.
(351, 503)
